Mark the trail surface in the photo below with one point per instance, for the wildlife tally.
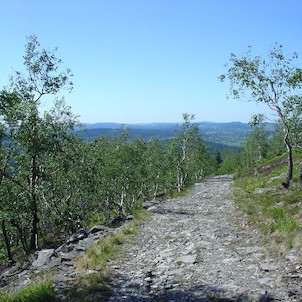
(200, 248)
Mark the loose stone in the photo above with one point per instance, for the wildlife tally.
(200, 248)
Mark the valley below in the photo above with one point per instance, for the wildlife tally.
(217, 136)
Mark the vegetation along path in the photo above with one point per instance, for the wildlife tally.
(200, 248)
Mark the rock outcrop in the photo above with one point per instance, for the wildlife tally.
(57, 262)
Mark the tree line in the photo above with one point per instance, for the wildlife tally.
(52, 182)
(260, 145)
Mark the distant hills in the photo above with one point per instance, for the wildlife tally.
(132, 126)
(219, 136)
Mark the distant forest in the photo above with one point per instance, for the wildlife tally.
(217, 136)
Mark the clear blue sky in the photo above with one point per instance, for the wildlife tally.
(149, 60)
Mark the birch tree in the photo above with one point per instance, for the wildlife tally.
(35, 139)
(273, 81)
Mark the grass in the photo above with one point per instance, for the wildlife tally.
(92, 286)
(97, 256)
(93, 281)
(276, 212)
(95, 273)
(41, 292)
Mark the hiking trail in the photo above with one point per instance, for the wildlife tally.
(199, 247)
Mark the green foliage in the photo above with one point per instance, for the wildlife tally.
(231, 163)
(255, 148)
(267, 80)
(31, 144)
(276, 212)
(189, 154)
(43, 292)
(276, 143)
(218, 158)
(129, 231)
(288, 225)
(93, 287)
(104, 251)
(273, 81)
(96, 285)
(52, 183)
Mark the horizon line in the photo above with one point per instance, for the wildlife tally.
(138, 123)
(145, 123)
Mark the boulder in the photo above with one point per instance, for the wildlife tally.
(262, 190)
(77, 237)
(188, 259)
(97, 228)
(150, 203)
(43, 257)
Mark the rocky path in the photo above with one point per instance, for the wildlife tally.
(199, 248)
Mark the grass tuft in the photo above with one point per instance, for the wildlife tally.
(94, 286)
(277, 213)
(42, 292)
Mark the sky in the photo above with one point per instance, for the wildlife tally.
(142, 61)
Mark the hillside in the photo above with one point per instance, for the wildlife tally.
(195, 247)
(274, 210)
